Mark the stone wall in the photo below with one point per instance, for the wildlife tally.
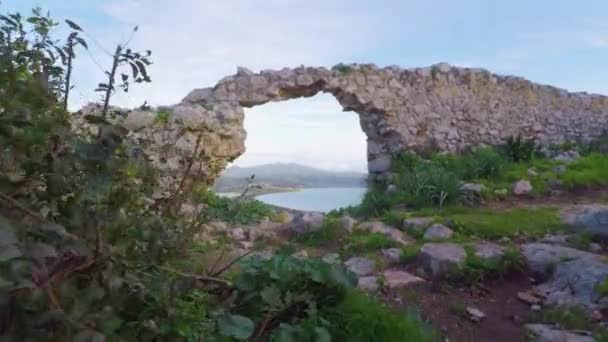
(399, 109)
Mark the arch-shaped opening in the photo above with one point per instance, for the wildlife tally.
(306, 153)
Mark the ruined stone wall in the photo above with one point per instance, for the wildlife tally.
(442, 106)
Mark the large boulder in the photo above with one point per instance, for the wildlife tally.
(572, 275)
(307, 222)
(379, 227)
(542, 258)
(347, 223)
(591, 219)
(440, 259)
(548, 333)
(394, 279)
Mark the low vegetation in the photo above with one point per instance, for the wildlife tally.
(436, 180)
(87, 254)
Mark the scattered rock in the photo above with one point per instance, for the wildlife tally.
(331, 258)
(347, 223)
(572, 274)
(360, 266)
(529, 297)
(522, 187)
(592, 219)
(438, 232)
(369, 283)
(239, 234)
(473, 187)
(399, 279)
(555, 239)
(441, 258)
(548, 333)
(574, 284)
(392, 255)
(542, 258)
(303, 254)
(489, 251)
(307, 222)
(567, 156)
(475, 314)
(379, 227)
(595, 247)
(417, 223)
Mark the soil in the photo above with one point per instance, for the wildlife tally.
(443, 305)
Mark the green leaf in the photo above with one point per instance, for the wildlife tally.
(73, 25)
(322, 335)
(271, 295)
(109, 326)
(236, 326)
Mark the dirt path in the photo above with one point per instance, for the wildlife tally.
(444, 307)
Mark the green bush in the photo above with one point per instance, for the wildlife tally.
(486, 163)
(237, 211)
(362, 319)
(519, 149)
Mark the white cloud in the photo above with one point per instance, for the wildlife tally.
(195, 43)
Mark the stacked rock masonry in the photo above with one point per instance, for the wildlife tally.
(441, 106)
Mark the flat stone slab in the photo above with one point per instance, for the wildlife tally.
(488, 251)
(441, 258)
(307, 222)
(548, 333)
(390, 231)
(360, 266)
(438, 232)
(392, 255)
(400, 279)
(591, 219)
(369, 283)
(417, 223)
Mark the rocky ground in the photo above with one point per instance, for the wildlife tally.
(549, 287)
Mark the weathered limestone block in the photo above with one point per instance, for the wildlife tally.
(439, 106)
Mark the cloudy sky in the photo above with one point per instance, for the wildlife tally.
(197, 42)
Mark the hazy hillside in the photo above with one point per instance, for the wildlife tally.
(287, 176)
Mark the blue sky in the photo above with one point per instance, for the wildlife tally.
(195, 43)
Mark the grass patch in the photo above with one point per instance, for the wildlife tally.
(459, 309)
(602, 288)
(588, 170)
(572, 318)
(362, 242)
(476, 270)
(328, 235)
(491, 224)
(361, 318)
(162, 117)
(410, 253)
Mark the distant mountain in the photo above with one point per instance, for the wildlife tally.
(290, 175)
